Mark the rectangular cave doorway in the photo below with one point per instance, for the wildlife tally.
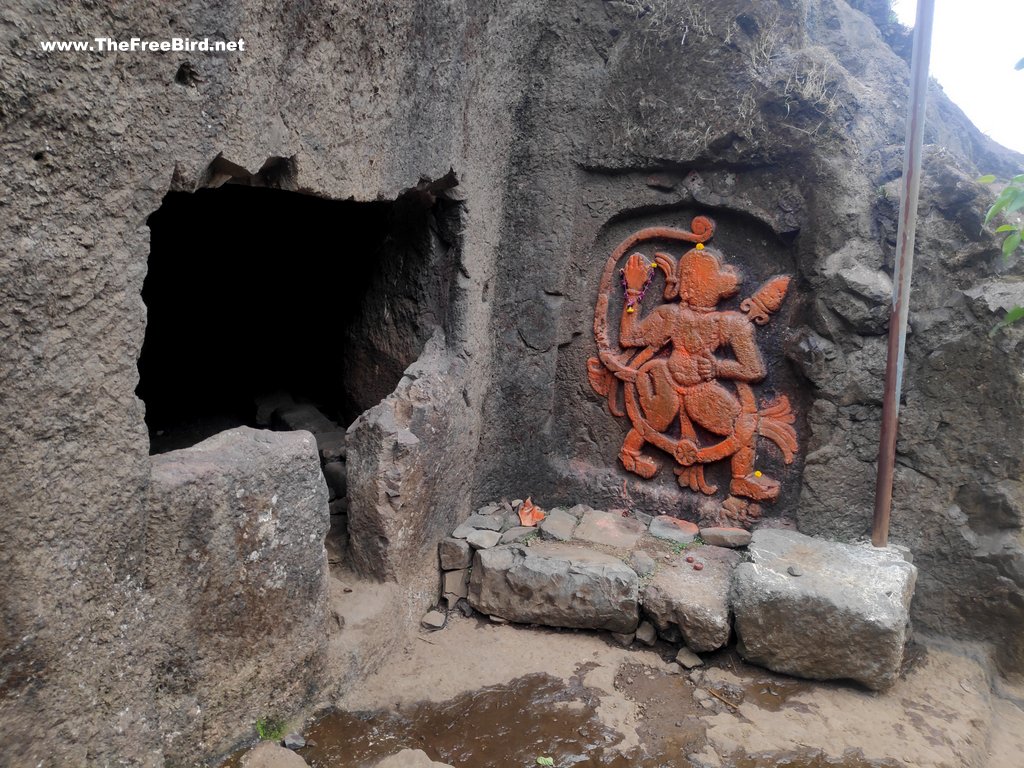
(280, 310)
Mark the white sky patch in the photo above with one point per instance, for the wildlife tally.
(975, 45)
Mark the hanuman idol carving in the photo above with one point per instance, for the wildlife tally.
(686, 364)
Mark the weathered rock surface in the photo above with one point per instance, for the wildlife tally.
(249, 508)
(846, 616)
(95, 148)
(557, 585)
(608, 529)
(695, 602)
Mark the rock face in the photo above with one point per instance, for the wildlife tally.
(556, 585)
(242, 619)
(566, 137)
(697, 602)
(845, 616)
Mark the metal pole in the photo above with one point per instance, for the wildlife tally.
(903, 271)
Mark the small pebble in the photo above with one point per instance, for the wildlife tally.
(795, 570)
(689, 559)
(629, 681)
(294, 741)
(698, 566)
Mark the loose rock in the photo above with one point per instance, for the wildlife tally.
(558, 525)
(625, 639)
(646, 633)
(688, 658)
(294, 741)
(483, 539)
(454, 554)
(725, 537)
(642, 563)
(434, 620)
(673, 529)
(512, 535)
(485, 522)
(270, 755)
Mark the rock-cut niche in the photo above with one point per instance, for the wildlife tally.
(279, 310)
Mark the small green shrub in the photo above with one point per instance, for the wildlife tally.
(270, 728)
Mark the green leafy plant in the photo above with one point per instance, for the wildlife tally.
(270, 728)
(1010, 200)
(550, 761)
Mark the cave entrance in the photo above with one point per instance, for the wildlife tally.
(280, 310)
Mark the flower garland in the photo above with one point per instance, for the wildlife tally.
(632, 302)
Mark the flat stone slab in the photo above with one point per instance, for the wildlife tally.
(485, 522)
(483, 539)
(609, 530)
(558, 525)
(725, 537)
(518, 533)
(845, 617)
(558, 585)
(694, 601)
(673, 529)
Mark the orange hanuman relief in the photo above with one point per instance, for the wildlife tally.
(686, 364)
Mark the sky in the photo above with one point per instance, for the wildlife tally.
(975, 45)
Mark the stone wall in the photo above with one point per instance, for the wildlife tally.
(781, 118)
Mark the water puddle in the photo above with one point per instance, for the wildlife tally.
(511, 725)
(503, 726)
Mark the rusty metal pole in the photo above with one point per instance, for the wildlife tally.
(903, 271)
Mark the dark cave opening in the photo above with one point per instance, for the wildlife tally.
(279, 310)
(257, 297)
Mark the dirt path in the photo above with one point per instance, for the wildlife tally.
(727, 713)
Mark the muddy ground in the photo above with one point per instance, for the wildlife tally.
(483, 694)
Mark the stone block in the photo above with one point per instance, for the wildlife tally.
(454, 554)
(557, 585)
(845, 617)
(695, 602)
(456, 583)
(608, 529)
(236, 528)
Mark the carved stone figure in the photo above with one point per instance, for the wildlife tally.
(686, 365)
